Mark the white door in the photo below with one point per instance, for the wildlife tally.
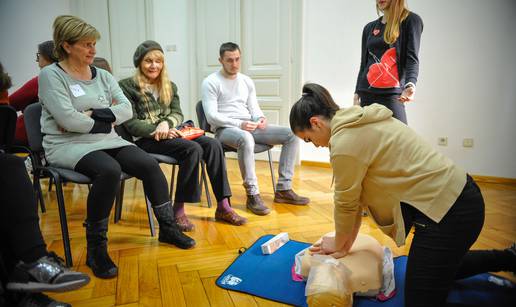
(123, 25)
(269, 37)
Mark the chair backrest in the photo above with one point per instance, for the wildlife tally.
(7, 126)
(32, 116)
(201, 117)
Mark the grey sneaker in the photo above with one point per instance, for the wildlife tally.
(39, 300)
(290, 197)
(48, 273)
(256, 205)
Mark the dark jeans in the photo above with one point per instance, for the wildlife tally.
(390, 101)
(104, 168)
(439, 253)
(21, 237)
(189, 154)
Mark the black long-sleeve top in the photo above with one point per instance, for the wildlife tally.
(380, 71)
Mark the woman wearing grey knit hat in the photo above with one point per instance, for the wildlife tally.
(157, 113)
(28, 93)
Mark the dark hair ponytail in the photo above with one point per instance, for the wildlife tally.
(316, 101)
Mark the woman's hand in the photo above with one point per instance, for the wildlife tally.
(356, 100)
(174, 133)
(407, 94)
(161, 132)
(337, 247)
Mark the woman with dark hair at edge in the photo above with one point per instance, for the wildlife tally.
(383, 165)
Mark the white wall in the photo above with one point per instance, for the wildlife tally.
(467, 80)
(24, 24)
(172, 28)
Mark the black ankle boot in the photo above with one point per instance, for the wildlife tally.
(97, 257)
(168, 229)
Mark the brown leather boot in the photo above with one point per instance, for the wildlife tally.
(256, 205)
(290, 197)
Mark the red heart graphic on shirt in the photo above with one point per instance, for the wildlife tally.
(385, 73)
(376, 31)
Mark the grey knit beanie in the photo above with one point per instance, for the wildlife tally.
(143, 49)
(46, 49)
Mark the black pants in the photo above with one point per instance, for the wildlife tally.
(20, 237)
(189, 154)
(439, 253)
(390, 101)
(104, 168)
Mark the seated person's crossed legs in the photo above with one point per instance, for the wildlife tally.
(244, 142)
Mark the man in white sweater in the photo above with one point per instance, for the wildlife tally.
(232, 110)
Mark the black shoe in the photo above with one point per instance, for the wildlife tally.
(256, 205)
(97, 257)
(169, 231)
(48, 273)
(512, 251)
(39, 300)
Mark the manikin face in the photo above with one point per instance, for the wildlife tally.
(152, 65)
(82, 51)
(319, 134)
(230, 62)
(383, 4)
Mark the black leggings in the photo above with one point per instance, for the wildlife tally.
(21, 237)
(189, 154)
(390, 101)
(439, 253)
(104, 168)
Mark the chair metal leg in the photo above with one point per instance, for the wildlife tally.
(272, 171)
(205, 181)
(119, 199)
(37, 190)
(150, 216)
(63, 220)
(50, 183)
(172, 182)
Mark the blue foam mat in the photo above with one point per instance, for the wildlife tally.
(270, 277)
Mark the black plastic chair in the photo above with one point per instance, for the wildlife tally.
(258, 148)
(41, 168)
(122, 131)
(8, 119)
(8, 126)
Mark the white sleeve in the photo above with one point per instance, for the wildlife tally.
(252, 101)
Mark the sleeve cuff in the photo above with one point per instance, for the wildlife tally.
(105, 115)
(101, 127)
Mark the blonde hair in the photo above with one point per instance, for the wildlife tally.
(71, 29)
(396, 13)
(163, 83)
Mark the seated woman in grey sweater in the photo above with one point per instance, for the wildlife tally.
(81, 104)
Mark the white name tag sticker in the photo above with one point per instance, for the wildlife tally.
(77, 90)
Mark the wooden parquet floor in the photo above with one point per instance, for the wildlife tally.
(155, 274)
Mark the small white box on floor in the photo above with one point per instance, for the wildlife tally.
(275, 243)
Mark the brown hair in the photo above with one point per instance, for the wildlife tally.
(71, 29)
(316, 101)
(395, 14)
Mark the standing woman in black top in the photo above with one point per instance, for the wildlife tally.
(389, 63)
